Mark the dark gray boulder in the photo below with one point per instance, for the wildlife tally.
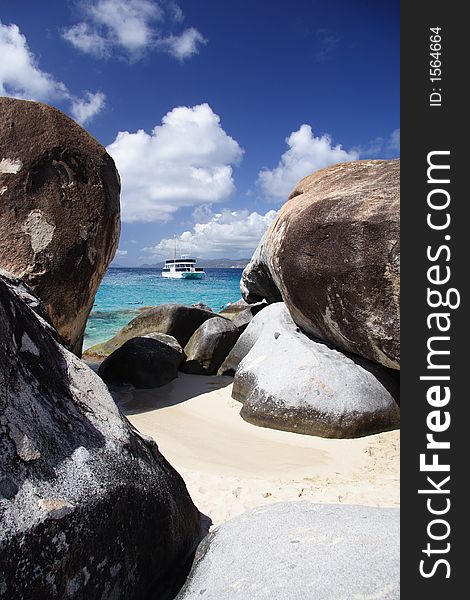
(209, 346)
(59, 221)
(177, 320)
(89, 508)
(333, 256)
(289, 381)
(241, 313)
(300, 551)
(144, 362)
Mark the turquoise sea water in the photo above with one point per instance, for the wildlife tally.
(123, 291)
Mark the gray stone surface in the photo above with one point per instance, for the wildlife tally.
(144, 362)
(300, 551)
(59, 217)
(89, 508)
(209, 346)
(333, 256)
(241, 313)
(169, 340)
(260, 322)
(289, 381)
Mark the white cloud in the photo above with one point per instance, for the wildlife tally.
(132, 27)
(121, 252)
(185, 161)
(84, 109)
(228, 234)
(306, 154)
(21, 77)
(86, 39)
(381, 147)
(184, 45)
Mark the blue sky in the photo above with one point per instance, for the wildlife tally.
(223, 106)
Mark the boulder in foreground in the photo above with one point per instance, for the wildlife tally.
(300, 551)
(89, 508)
(291, 382)
(333, 255)
(59, 222)
(144, 362)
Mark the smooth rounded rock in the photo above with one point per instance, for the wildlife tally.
(209, 346)
(245, 342)
(333, 256)
(291, 382)
(59, 221)
(300, 551)
(144, 362)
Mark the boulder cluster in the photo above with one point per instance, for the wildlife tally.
(89, 507)
(314, 344)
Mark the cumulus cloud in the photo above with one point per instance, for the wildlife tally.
(121, 253)
(185, 161)
(84, 109)
(227, 234)
(132, 27)
(21, 77)
(306, 154)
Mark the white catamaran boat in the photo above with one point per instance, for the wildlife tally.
(182, 268)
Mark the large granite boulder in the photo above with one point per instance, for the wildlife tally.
(59, 222)
(89, 508)
(144, 362)
(209, 345)
(333, 256)
(300, 551)
(241, 313)
(177, 320)
(246, 341)
(289, 381)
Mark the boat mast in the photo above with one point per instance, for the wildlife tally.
(174, 251)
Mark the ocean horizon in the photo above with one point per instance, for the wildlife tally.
(124, 291)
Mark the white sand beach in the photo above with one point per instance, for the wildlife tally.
(230, 466)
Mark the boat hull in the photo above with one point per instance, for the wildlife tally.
(188, 275)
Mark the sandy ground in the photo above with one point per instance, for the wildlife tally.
(230, 466)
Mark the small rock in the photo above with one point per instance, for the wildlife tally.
(144, 362)
(209, 346)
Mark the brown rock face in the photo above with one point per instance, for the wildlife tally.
(59, 221)
(334, 255)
